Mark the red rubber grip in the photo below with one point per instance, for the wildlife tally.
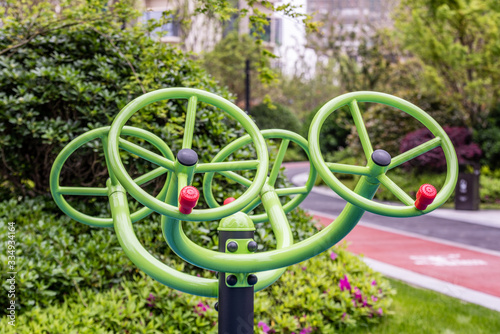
(229, 200)
(425, 196)
(188, 198)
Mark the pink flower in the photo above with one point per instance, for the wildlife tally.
(357, 294)
(201, 308)
(374, 282)
(380, 312)
(344, 283)
(374, 298)
(333, 255)
(264, 326)
(304, 268)
(306, 330)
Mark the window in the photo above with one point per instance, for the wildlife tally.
(170, 28)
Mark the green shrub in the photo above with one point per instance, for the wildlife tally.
(308, 297)
(56, 255)
(275, 117)
(67, 81)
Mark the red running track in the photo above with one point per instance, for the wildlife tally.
(461, 266)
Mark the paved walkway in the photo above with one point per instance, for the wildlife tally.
(456, 269)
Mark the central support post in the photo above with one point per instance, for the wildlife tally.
(236, 291)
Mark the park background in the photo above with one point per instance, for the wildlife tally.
(69, 66)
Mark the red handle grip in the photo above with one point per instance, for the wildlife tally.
(188, 198)
(425, 196)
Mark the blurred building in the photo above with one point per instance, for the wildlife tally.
(180, 24)
(357, 18)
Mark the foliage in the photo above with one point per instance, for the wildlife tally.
(58, 255)
(66, 81)
(489, 139)
(143, 305)
(275, 116)
(461, 138)
(459, 43)
(227, 62)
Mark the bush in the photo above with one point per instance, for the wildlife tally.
(489, 139)
(461, 138)
(332, 291)
(57, 256)
(67, 81)
(276, 116)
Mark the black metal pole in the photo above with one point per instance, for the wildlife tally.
(235, 305)
(247, 86)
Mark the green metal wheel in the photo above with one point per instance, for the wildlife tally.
(375, 173)
(286, 137)
(182, 173)
(59, 191)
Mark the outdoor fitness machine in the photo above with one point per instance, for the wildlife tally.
(242, 271)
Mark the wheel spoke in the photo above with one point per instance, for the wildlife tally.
(360, 126)
(348, 169)
(150, 175)
(187, 140)
(236, 178)
(415, 152)
(291, 191)
(145, 154)
(83, 191)
(226, 166)
(277, 163)
(396, 190)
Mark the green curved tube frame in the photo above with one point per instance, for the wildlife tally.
(269, 265)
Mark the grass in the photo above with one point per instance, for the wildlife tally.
(417, 310)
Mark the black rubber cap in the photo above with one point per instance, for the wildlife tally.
(252, 279)
(187, 157)
(252, 246)
(232, 246)
(216, 306)
(381, 158)
(231, 280)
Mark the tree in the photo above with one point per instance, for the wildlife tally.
(459, 42)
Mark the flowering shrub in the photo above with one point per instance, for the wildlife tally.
(329, 292)
(332, 291)
(467, 151)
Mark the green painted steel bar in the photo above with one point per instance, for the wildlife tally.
(164, 208)
(292, 191)
(147, 262)
(277, 162)
(348, 169)
(104, 139)
(151, 175)
(351, 196)
(146, 155)
(83, 191)
(255, 203)
(396, 190)
(226, 166)
(415, 152)
(360, 126)
(279, 258)
(75, 144)
(237, 178)
(187, 140)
